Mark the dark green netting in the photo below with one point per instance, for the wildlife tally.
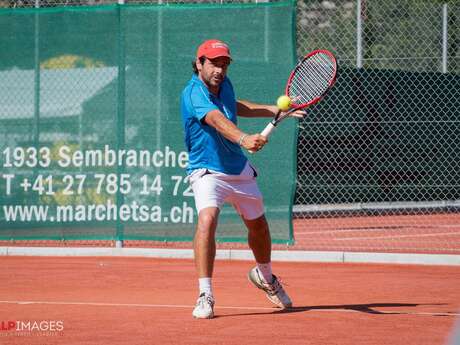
(108, 79)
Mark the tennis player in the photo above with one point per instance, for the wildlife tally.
(219, 171)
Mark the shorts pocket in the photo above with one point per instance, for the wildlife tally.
(197, 174)
(256, 173)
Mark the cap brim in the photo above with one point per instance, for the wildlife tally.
(215, 53)
(215, 56)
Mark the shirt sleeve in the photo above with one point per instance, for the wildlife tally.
(201, 103)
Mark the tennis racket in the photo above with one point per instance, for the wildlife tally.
(308, 83)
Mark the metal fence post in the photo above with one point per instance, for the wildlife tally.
(36, 131)
(120, 117)
(444, 38)
(359, 35)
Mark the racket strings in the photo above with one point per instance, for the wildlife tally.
(311, 78)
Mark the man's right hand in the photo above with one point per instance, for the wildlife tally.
(254, 142)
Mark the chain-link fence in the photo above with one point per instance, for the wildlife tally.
(383, 147)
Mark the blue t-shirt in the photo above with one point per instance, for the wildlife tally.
(207, 148)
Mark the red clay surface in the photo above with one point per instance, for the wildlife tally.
(432, 234)
(149, 301)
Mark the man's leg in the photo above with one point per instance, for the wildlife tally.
(261, 276)
(260, 242)
(204, 243)
(259, 239)
(204, 246)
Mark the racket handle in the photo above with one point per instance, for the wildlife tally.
(266, 132)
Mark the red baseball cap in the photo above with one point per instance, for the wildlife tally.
(213, 49)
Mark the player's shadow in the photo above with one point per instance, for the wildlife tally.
(369, 308)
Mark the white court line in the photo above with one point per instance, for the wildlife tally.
(331, 234)
(130, 305)
(371, 229)
(396, 236)
(272, 309)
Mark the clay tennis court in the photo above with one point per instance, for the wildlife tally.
(149, 301)
(436, 233)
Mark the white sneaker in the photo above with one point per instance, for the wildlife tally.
(204, 308)
(274, 291)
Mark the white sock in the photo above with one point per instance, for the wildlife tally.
(266, 271)
(205, 285)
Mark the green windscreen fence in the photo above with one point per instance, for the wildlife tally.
(91, 141)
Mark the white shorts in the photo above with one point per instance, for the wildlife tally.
(213, 189)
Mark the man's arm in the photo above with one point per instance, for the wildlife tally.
(229, 130)
(248, 109)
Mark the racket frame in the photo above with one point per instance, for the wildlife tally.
(281, 116)
(330, 83)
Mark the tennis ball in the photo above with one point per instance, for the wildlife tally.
(283, 103)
